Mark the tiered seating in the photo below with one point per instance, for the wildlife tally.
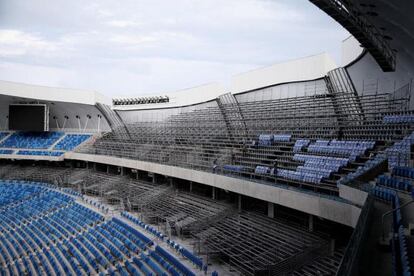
(399, 153)
(350, 149)
(46, 232)
(40, 153)
(3, 151)
(315, 168)
(31, 140)
(361, 170)
(254, 242)
(186, 253)
(71, 141)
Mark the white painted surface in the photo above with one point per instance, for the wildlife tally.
(351, 50)
(44, 93)
(303, 69)
(323, 207)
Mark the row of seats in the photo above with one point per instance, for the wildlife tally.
(31, 140)
(398, 119)
(300, 144)
(395, 183)
(300, 176)
(263, 170)
(282, 137)
(6, 151)
(40, 153)
(234, 168)
(268, 139)
(71, 141)
(350, 149)
(407, 172)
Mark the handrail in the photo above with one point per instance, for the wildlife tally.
(353, 250)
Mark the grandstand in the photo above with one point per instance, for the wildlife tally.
(299, 168)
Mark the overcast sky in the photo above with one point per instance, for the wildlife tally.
(133, 47)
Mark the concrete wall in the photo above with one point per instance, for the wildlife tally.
(323, 207)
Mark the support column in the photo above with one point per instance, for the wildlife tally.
(191, 186)
(122, 171)
(239, 203)
(107, 169)
(311, 223)
(171, 182)
(153, 178)
(270, 210)
(213, 195)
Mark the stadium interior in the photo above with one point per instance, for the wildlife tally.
(301, 168)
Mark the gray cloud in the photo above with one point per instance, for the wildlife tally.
(135, 47)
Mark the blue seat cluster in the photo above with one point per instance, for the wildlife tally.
(350, 149)
(300, 144)
(40, 153)
(5, 151)
(407, 172)
(234, 168)
(395, 183)
(300, 176)
(45, 231)
(399, 153)
(31, 140)
(262, 170)
(361, 170)
(314, 169)
(398, 119)
(265, 139)
(71, 141)
(383, 194)
(282, 137)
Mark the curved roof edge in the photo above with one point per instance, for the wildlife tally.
(53, 94)
(302, 69)
(297, 70)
